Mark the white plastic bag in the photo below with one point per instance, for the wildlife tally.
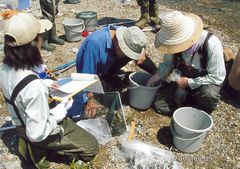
(97, 127)
(145, 156)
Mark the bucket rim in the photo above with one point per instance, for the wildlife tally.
(184, 139)
(189, 129)
(74, 24)
(146, 87)
(88, 12)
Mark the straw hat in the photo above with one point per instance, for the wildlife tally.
(132, 41)
(178, 32)
(24, 27)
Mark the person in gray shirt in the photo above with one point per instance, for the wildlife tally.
(193, 64)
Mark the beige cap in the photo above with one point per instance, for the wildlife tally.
(178, 32)
(132, 41)
(24, 27)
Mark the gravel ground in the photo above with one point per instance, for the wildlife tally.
(220, 149)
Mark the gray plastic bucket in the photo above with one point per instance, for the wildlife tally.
(73, 29)
(90, 19)
(140, 95)
(189, 122)
(187, 145)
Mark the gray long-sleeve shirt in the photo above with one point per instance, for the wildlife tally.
(215, 65)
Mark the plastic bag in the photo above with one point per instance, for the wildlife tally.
(143, 156)
(97, 127)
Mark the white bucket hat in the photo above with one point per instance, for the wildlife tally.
(131, 41)
(178, 32)
(24, 27)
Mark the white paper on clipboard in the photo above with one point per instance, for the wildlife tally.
(78, 82)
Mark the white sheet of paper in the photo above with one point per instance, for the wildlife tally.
(78, 82)
(82, 76)
(74, 86)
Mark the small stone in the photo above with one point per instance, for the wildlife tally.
(10, 157)
(238, 165)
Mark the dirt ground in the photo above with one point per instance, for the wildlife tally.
(221, 147)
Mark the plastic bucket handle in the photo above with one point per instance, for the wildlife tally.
(184, 139)
(75, 31)
(200, 133)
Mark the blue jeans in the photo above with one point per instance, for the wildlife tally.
(78, 105)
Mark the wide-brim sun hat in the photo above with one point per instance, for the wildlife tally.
(178, 32)
(132, 41)
(24, 27)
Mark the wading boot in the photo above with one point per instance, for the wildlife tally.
(45, 45)
(154, 14)
(71, 1)
(53, 36)
(142, 22)
(38, 157)
(23, 149)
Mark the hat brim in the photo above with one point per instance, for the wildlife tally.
(171, 49)
(123, 46)
(46, 25)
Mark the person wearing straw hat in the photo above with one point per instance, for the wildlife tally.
(104, 53)
(195, 75)
(49, 10)
(40, 129)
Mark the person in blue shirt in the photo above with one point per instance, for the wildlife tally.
(104, 53)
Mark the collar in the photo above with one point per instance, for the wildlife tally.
(109, 38)
(196, 46)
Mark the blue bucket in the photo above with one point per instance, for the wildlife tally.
(24, 4)
(18, 4)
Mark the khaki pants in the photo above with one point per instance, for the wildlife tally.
(204, 97)
(75, 143)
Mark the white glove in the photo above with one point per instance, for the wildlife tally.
(67, 102)
(59, 112)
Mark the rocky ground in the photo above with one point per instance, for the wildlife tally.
(220, 149)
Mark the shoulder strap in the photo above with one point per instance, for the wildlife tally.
(24, 82)
(178, 59)
(204, 52)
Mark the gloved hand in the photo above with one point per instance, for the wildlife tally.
(60, 111)
(154, 79)
(67, 102)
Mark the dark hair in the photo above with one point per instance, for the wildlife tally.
(21, 57)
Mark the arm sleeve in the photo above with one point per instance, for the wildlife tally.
(215, 66)
(88, 57)
(148, 66)
(39, 123)
(166, 67)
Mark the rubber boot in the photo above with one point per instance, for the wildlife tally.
(144, 14)
(53, 36)
(154, 14)
(45, 45)
(71, 1)
(38, 157)
(23, 149)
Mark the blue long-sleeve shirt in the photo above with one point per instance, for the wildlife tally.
(96, 54)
